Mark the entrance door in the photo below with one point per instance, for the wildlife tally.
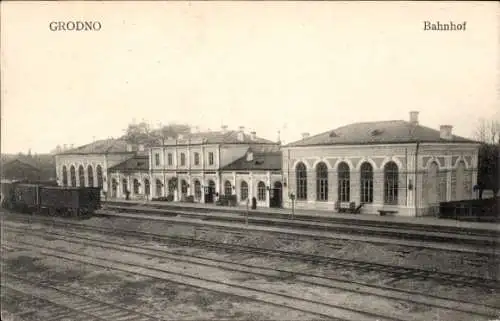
(209, 192)
(277, 195)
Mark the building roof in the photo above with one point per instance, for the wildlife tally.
(217, 137)
(44, 163)
(379, 132)
(137, 163)
(103, 146)
(260, 161)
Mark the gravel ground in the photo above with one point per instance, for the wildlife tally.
(436, 260)
(150, 295)
(167, 300)
(143, 293)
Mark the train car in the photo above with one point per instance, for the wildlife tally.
(26, 197)
(7, 193)
(46, 198)
(69, 201)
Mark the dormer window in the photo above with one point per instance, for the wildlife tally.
(333, 134)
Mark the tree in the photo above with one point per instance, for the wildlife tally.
(139, 133)
(172, 130)
(488, 133)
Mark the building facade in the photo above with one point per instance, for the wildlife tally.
(191, 165)
(391, 165)
(88, 165)
(398, 165)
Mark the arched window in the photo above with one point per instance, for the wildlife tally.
(261, 191)
(344, 182)
(124, 186)
(321, 182)
(243, 191)
(99, 176)
(460, 183)
(301, 174)
(184, 187)
(197, 189)
(228, 190)
(366, 183)
(72, 174)
(147, 187)
(81, 176)
(183, 159)
(64, 176)
(196, 158)
(90, 175)
(158, 186)
(391, 183)
(136, 186)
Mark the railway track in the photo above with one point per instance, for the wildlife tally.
(395, 272)
(56, 303)
(412, 297)
(311, 307)
(405, 232)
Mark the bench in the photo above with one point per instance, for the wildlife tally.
(348, 207)
(385, 212)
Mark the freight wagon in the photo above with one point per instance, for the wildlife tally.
(48, 199)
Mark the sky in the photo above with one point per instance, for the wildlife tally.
(292, 67)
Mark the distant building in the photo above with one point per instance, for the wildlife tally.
(398, 165)
(28, 167)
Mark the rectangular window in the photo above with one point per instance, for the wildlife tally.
(183, 159)
(196, 159)
(169, 156)
(210, 158)
(157, 159)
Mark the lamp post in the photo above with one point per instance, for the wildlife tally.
(246, 213)
(292, 197)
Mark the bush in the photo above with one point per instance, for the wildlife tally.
(170, 198)
(189, 199)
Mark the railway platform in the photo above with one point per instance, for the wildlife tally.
(298, 232)
(425, 223)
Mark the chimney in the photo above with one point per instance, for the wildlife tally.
(224, 128)
(414, 117)
(141, 147)
(72, 146)
(65, 147)
(305, 135)
(129, 147)
(253, 135)
(242, 128)
(445, 132)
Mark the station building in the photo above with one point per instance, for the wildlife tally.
(396, 165)
(202, 165)
(391, 165)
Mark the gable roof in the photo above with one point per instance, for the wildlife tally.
(379, 132)
(137, 163)
(261, 161)
(100, 147)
